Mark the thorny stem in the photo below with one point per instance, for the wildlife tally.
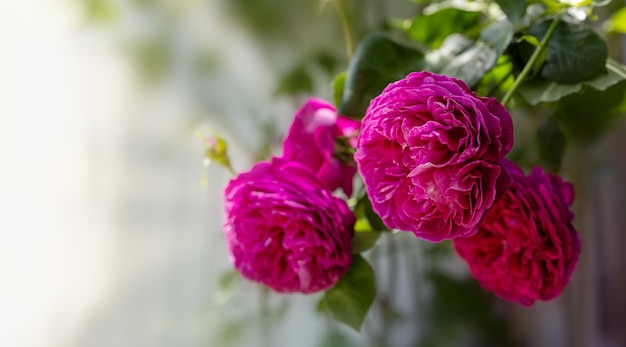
(533, 59)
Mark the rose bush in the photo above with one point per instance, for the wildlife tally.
(312, 138)
(285, 229)
(429, 152)
(526, 248)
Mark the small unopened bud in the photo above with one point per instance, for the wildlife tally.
(215, 150)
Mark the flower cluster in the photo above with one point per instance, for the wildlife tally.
(430, 153)
(283, 226)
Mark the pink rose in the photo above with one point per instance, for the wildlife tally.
(527, 248)
(311, 141)
(429, 152)
(285, 229)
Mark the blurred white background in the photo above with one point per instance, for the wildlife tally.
(107, 238)
(61, 102)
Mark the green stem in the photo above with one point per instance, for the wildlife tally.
(345, 25)
(533, 59)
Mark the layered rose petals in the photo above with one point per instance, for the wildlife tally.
(285, 229)
(311, 141)
(429, 152)
(447, 203)
(526, 248)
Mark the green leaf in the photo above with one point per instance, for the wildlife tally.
(541, 90)
(350, 299)
(514, 9)
(551, 144)
(337, 86)
(616, 73)
(498, 35)
(462, 58)
(378, 60)
(575, 52)
(433, 28)
(530, 39)
(298, 80)
(617, 22)
(364, 240)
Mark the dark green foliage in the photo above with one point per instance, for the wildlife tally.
(462, 58)
(541, 90)
(575, 52)
(378, 60)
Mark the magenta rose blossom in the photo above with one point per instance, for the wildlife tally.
(429, 152)
(285, 229)
(526, 248)
(311, 141)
